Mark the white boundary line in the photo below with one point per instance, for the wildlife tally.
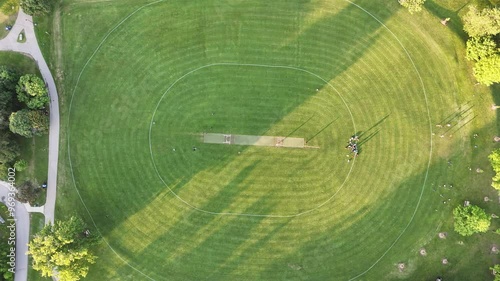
(153, 3)
(246, 214)
(69, 118)
(430, 141)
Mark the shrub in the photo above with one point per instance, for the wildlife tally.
(21, 165)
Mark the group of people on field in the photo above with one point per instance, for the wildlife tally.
(352, 145)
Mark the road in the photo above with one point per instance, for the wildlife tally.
(31, 48)
(22, 233)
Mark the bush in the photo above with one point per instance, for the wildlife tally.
(21, 165)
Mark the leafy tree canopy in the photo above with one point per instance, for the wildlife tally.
(495, 164)
(21, 165)
(487, 70)
(470, 219)
(35, 7)
(496, 272)
(8, 81)
(481, 47)
(29, 123)
(64, 246)
(9, 149)
(412, 5)
(5, 274)
(8, 78)
(480, 23)
(32, 91)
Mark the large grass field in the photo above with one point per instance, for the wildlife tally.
(144, 80)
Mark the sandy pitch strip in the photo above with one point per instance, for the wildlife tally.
(254, 140)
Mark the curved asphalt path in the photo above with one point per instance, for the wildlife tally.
(22, 218)
(31, 48)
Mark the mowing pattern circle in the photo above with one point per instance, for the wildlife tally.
(345, 47)
(235, 105)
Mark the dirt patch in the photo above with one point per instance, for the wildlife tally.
(401, 267)
(494, 249)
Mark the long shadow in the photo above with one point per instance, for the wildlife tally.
(301, 125)
(236, 230)
(368, 131)
(214, 250)
(367, 138)
(321, 130)
(368, 238)
(229, 268)
(351, 49)
(457, 114)
(455, 23)
(190, 226)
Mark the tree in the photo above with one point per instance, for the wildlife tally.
(5, 272)
(412, 5)
(487, 70)
(495, 164)
(480, 48)
(28, 192)
(35, 7)
(3, 171)
(9, 149)
(8, 81)
(29, 123)
(32, 91)
(8, 78)
(479, 23)
(64, 246)
(496, 272)
(470, 219)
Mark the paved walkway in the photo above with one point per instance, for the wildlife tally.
(22, 233)
(31, 48)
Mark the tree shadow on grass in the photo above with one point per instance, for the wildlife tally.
(352, 49)
(455, 23)
(211, 253)
(342, 253)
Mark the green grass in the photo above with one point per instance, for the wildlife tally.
(8, 15)
(21, 63)
(164, 63)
